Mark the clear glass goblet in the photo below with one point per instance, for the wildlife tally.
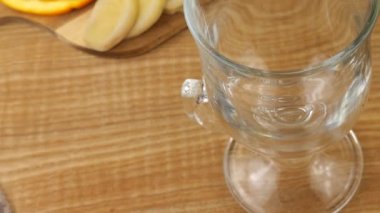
(286, 80)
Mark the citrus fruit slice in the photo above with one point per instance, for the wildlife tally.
(173, 6)
(45, 7)
(110, 22)
(149, 12)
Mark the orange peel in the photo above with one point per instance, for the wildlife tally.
(45, 7)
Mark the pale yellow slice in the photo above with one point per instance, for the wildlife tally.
(110, 22)
(173, 6)
(149, 13)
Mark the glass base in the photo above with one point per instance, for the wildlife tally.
(4, 205)
(320, 182)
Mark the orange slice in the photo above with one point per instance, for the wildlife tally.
(45, 7)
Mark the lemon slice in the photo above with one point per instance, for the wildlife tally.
(149, 12)
(109, 23)
(45, 7)
(173, 6)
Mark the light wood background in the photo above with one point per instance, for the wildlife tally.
(85, 134)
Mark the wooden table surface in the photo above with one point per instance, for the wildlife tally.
(85, 134)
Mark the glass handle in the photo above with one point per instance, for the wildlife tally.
(196, 103)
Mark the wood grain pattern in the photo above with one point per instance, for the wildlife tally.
(70, 27)
(86, 134)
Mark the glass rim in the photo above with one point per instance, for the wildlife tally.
(250, 71)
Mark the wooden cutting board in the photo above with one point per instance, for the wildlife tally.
(69, 28)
